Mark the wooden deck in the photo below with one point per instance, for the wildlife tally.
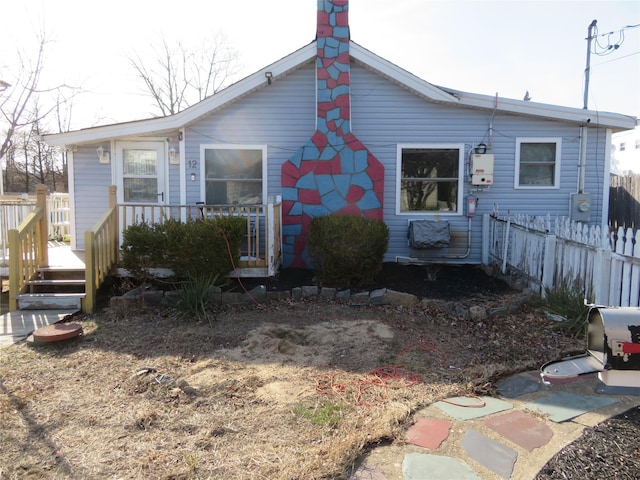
(60, 255)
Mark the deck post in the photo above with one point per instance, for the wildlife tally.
(115, 239)
(15, 268)
(41, 202)
(90, 272)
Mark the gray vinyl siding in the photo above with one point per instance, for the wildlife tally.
(282, 116)
(384, 115)
(173, 172)
(91, 195)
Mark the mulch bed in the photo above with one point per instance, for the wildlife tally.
(609, 450)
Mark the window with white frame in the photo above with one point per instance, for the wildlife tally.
(537, 162)
(233, 175)
(430, 178)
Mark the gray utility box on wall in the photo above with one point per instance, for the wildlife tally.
(580, 207)
(613, 349)
(429, 234)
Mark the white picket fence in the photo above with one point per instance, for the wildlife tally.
(13, 212)
(550, 252)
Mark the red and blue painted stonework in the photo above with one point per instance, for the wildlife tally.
(333, 173)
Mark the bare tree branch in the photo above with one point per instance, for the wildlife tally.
(24, 106)
(177, 78)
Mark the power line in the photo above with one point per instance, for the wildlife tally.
(610, 46)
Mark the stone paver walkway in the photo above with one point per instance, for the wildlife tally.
(509, 437)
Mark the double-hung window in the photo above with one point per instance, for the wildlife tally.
(233, 175)
(537, 162)
(429, 178)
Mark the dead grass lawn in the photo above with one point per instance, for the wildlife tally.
(295, 391)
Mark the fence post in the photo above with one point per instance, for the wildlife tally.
(41, 201)
(601, 273)
(548, 264)
(485, 239)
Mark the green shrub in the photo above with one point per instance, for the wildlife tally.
(206, 247)
(143, 247)
(193, 249)
(570, 304)
(347, 250)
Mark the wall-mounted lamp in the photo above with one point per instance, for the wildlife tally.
(193, 177)
(269, 77)
(103, 156)
(180, 136)
(173, 158)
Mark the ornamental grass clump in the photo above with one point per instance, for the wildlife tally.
(568, 303)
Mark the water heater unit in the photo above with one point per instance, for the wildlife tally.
(482, 169)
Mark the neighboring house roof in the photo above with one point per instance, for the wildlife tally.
(368, 60)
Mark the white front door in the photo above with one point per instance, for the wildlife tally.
(140, 173)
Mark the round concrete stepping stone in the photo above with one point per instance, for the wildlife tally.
(419, 466)
(57, 332)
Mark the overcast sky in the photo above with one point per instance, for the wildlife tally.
(486, 47)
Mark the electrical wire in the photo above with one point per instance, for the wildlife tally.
(603, 49)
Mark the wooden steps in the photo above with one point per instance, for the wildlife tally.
(54, 288)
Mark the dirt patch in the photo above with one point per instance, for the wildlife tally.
(290, 390)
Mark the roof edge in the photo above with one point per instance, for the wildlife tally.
(550, 111)
(237, 90)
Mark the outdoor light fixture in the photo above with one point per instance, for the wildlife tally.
(173, 158)
(193, 177)
(103, 156)
(269, 77)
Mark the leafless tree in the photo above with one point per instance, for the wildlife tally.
(21, 111)
(176, 77)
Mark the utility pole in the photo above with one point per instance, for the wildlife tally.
(583, 129)
(587, 69)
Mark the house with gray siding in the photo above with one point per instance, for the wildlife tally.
(335, 129)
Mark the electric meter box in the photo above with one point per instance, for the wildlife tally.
(580, 207)
(482, 169)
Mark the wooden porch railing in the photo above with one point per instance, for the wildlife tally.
(101, 245)
(28, 248)
(14, 211)
(261, 251)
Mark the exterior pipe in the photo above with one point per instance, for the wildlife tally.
(468, 252)
(415, 261)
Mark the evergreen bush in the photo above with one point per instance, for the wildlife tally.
(193, 249)
(347, 250)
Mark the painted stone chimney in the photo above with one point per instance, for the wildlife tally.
(333, 173)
